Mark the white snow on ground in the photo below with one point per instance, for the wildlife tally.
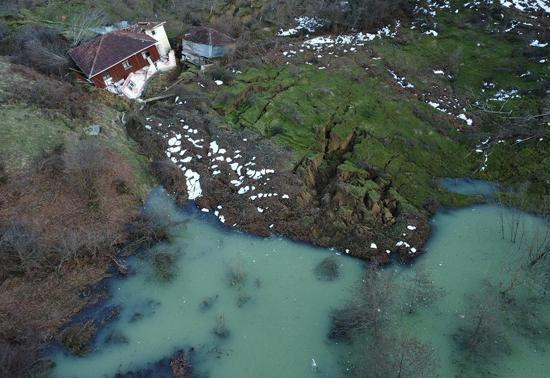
(358, 39)
(527, 5)
(536, 43)
(402, 81)
(242, 173)
(309, 24)
(463, 117)
(505, 94)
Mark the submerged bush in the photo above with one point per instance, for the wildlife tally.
(481, 337)
(243, 299)
(78, 337)
(164, 264)
(236, 275)
(207, 303)
(220, 329)
(328, 269)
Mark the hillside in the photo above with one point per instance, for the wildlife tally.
(326, 126)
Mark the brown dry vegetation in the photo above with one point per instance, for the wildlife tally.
(61, 223)
(74, 204)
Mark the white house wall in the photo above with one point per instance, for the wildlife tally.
(160, 35)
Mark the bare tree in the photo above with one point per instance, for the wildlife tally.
(397, 356)
(420, 291)
(370, 311)
(480, 337)
(81, 25)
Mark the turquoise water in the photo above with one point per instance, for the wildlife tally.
(277, 332)
(278, 317)
(469, 186)
(466, 249)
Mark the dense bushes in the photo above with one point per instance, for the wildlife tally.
(41, 48)
(68, 208)
(51, 95)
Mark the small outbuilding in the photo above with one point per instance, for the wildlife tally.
(202, 44)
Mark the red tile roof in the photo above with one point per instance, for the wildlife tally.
(208, 36)
(102, 52)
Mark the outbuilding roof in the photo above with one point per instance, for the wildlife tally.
(103, 52)
(208, 36)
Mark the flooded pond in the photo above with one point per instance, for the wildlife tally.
(254, 307)
(274, 308)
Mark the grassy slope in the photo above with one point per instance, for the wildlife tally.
(27, 133)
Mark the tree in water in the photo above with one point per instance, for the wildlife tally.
(371, 309)
(397, 356)
(480, 338)
(368, 322)
(421, 291)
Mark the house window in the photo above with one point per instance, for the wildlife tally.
(131, 85)
(153, 32)
(126, 65)
(107, 79)
(146, 55)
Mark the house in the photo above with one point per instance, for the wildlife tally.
(202, 44)
(156, 31)
(123, 60)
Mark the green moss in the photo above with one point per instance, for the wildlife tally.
(322, 108)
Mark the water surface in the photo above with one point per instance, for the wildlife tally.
(276, 332)
(277, 320)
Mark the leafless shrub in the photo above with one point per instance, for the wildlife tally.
(236, 275)
(480, 337)
(163, 266)
(85, 162)
(229, 25)
(19, 250)
(220, 73)
(144, 232)
(21, 355)
(220, 329)
(69, 206)
(149, 141)
(172, 178)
